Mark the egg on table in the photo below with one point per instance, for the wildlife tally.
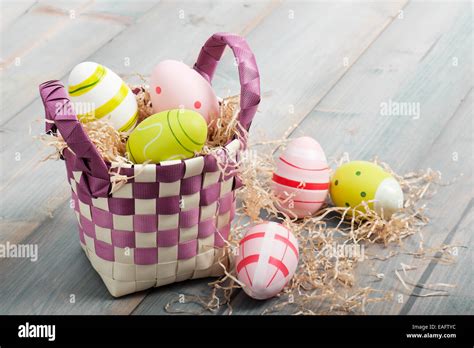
(174, 85)
(97, 92)
(168, 135)
(301, 178)
(358, 181)
(267, 259)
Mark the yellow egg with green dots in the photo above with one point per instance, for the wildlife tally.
(358, 181)
(168, 135)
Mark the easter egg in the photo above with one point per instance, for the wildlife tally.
(97, 92)
(174, 85)
(358, 181)
(168, 135)
(267, 259)
(301, 178)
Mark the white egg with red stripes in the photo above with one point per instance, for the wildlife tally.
(267, 259)
(96, 92)
(301, 179)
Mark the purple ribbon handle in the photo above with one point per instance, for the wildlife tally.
(249, 76)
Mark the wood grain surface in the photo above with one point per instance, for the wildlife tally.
(325, 67)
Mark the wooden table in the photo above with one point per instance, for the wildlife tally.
(325, 66)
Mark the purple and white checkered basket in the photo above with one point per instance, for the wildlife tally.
(169, 222)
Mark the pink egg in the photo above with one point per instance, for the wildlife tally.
(174, 85)
(301, 179)
(267, 259)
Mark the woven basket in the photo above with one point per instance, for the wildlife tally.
(169, 222)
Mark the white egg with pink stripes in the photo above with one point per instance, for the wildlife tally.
(301, 178)
(267, 259)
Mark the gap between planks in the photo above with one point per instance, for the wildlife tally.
(384, 27)
(433, 263)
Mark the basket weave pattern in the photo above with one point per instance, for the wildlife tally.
(154, 232)
(169, 221)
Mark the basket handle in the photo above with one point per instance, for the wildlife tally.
(249, 77)
(59, 110)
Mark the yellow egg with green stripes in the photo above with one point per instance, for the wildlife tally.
(96, 92)
(168, 135)
(358, 181)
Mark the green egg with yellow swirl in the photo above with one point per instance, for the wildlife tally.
(168, 135)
